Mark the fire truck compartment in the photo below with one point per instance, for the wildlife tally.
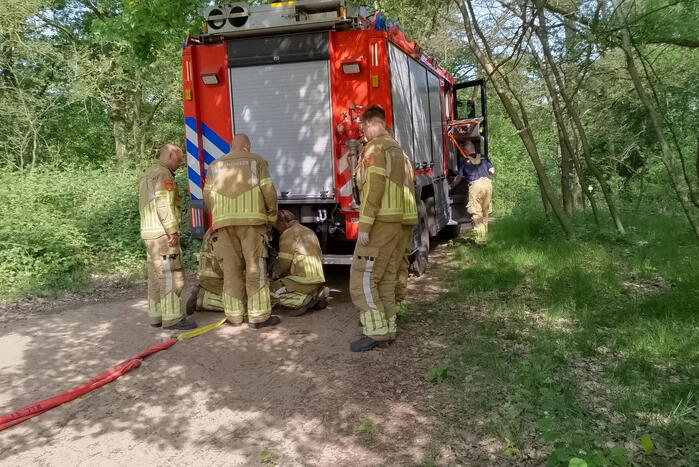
(285, 109)
(417, 112)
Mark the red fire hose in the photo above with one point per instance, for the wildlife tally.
(25, 413)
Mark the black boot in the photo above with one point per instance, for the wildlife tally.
(302, 310)
(191, 306)
(182, 325)
(366, 343)
(271, 321)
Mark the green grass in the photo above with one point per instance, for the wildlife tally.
(577, 347)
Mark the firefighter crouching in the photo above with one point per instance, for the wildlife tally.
(207, 295)
(243, 203)
(477, 170)
(301, 286)
(159, 209)
(380, 177)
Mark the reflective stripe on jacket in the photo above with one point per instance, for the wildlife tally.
(158, 202)
(409, 205)
(380, 179)
(239, 191)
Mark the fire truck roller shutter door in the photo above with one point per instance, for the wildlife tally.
(285, 109)
(401, 100)
(422, 146)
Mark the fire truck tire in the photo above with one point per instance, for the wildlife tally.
(450, 232)
(419, 260)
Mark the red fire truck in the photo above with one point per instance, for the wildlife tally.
(295, 76)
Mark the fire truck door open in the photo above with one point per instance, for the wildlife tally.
(285, 110)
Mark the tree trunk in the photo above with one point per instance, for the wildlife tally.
(542, 33)
(120, 132)
(566, 175)
(504, 90)
(678, 184)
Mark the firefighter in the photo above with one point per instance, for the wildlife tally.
(477, 170)
(408, 226)
(159, 209)
(301, 286)
(206, 296)
(380, 178)
(243, 203)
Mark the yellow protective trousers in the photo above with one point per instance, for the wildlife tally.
(241, 252)
(291, 294)
(480, 194)
(165, 281)
(373, 277)
(406, 235)
(209, 301)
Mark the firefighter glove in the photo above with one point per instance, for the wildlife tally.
(363, 239)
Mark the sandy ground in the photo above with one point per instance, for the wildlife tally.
(291, 395)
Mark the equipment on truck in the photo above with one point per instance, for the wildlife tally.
(295, 77)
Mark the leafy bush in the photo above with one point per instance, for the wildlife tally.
(62, 226)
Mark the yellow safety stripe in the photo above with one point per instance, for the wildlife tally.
(207, 273)
(376, 170)
(162, 193)
(243, 206)
(366, 220)
(387, 211)
(265, 181)
(242, 215)
(288, 256)
(307, 280)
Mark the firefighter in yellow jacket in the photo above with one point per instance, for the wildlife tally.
(406, 234)
(242, 201)
(380, 176)
(302, 283)
(207, 295)
(159, 208)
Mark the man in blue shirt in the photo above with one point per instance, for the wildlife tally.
(477, 170)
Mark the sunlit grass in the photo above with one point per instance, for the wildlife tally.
(594, 339)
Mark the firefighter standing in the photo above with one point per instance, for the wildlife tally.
(477, 170)
(301, 286)
(206, 296)
(408, 226)
(377, 255)
(159, 209)
(243, 203)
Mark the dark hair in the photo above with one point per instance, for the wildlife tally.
(374, 112)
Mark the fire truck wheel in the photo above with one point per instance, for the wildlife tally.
(450, 232)
(419, 260)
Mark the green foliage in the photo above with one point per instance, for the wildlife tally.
(440, 374)
(366, 430)
(591, 340)
(63, 226)
(268, 458)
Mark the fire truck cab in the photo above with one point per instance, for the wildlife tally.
(295, 76)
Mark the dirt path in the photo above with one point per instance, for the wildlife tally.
(293, 395)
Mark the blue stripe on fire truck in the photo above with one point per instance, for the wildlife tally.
(214, 147)
(193, 169)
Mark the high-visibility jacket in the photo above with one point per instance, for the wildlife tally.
(209, 272)
(380, 179)
(409, 205)
(300, 256)
(239, 191)
(158, 202)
